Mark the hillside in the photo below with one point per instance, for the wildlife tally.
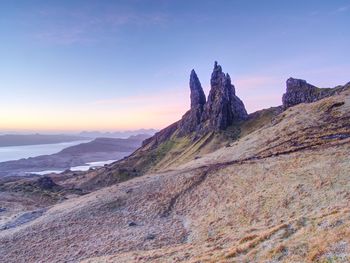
(217, 186)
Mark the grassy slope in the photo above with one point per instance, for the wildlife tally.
(174, 152)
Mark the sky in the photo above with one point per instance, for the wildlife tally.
(120, 65)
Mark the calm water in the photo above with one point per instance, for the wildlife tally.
(77, 168)
(19, 152)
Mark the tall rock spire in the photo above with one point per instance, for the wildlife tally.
(221, 110)
(223, 107)
(191, 120)
(197, 93)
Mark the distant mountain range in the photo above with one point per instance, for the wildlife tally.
(34, 139)
(14, 139)
(117, 134)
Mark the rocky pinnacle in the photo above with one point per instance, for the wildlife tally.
(197, 93)
(223, 107)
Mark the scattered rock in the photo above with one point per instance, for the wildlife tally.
(132, 224)
(2, 209)
(150, 237)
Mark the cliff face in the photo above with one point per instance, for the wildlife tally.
(299, 91)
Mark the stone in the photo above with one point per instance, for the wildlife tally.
(299, 91)
(192, 118)
(223, 107)
(150, 237)
(46, 182)
(197, 93)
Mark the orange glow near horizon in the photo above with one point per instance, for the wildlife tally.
(109, 115)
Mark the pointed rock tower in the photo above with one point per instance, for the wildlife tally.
(191, 120)
(223, 107)
(197, 93)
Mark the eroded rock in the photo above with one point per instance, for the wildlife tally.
(299, 91)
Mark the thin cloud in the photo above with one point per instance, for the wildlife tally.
(343, 9)
(65, 27)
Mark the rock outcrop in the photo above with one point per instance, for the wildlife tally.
(192, 118)
(197, 93)
(299, 91)
(223, 107)
(46, 183)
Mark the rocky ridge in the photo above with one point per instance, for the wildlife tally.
(299, 91)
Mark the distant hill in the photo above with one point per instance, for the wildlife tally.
(117, 134)
(100, 149)
(35, 139)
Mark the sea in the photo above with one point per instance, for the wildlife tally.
(10, 153)
(85, 167)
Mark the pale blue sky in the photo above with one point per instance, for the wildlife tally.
(116, 65)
